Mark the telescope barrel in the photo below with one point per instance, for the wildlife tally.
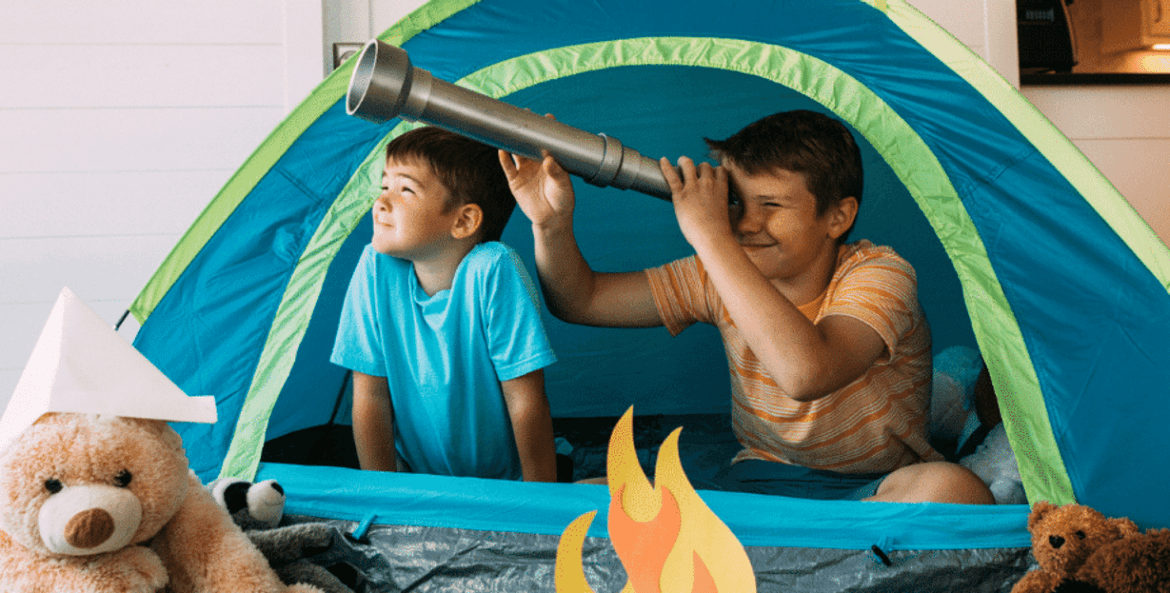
(385, 85)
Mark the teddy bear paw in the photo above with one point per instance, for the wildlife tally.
(139, 570)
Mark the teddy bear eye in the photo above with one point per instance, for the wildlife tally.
(1080, 534)
(123, 478)
(53, 485)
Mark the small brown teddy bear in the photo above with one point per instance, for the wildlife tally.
(1080, 550)
(1139, 563)
(99, 504)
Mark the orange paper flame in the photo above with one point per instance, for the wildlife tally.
(665, 535)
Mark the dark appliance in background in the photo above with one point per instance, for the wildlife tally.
(1045, 36)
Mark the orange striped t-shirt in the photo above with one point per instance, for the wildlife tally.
(876, 423)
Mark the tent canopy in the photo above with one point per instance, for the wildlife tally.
(1022, 248)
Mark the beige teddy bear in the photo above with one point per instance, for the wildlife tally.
(96, 504)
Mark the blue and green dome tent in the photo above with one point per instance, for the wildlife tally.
(1023, 251)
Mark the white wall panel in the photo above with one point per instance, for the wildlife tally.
(348, 21)
(1000, 49)
(24, 322)
(964, 20)
(96, 203)
(179, 139)
(306, 59)
(1114, 112)
(142, 21)
(58, 76)
(8, 378)
(98, 268)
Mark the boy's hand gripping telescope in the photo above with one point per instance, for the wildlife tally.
(385, 85)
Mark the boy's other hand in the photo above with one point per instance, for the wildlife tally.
(699, 197)
(543, 189)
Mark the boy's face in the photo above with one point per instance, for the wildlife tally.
(410, 221)
(779, 228)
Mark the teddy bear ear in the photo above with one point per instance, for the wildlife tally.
(1125, 527)
(1041, 508)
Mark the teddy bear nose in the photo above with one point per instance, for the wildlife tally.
(89, 519)
(1056, 541)
(89, 529)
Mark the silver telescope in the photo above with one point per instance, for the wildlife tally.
(385, 85)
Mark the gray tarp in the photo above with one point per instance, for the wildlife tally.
(393, 559)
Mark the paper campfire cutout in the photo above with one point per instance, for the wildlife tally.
(667, 538)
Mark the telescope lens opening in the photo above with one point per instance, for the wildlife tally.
(363, 73)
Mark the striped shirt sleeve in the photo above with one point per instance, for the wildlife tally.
(681, 294)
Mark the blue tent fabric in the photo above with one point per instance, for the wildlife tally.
(221, 310)
(1079, 323)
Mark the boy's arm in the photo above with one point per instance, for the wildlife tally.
(807, 361)
(574, 292)
(532, 424)
(373, 423)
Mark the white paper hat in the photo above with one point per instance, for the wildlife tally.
(80, 364)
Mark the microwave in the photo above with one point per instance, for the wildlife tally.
(1045, 34)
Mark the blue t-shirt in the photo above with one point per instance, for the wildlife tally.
(444, 356)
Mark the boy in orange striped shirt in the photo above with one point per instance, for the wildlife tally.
(828, 348)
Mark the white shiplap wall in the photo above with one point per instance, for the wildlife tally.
(118, 123)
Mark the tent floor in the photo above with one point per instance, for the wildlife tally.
(705, 444)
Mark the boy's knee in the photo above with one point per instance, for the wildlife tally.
(934, 482)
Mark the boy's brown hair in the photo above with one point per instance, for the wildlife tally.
(807, 142)
(468, 169)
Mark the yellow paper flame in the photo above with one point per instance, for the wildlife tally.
(665, 535)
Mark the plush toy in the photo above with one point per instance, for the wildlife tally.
(1079, 549)
(1139, 563)
(252, 506)
(98, 503)
(1063, 538)
(995, 463)
(258, 509)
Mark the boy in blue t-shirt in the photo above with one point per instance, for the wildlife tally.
(441, 323)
